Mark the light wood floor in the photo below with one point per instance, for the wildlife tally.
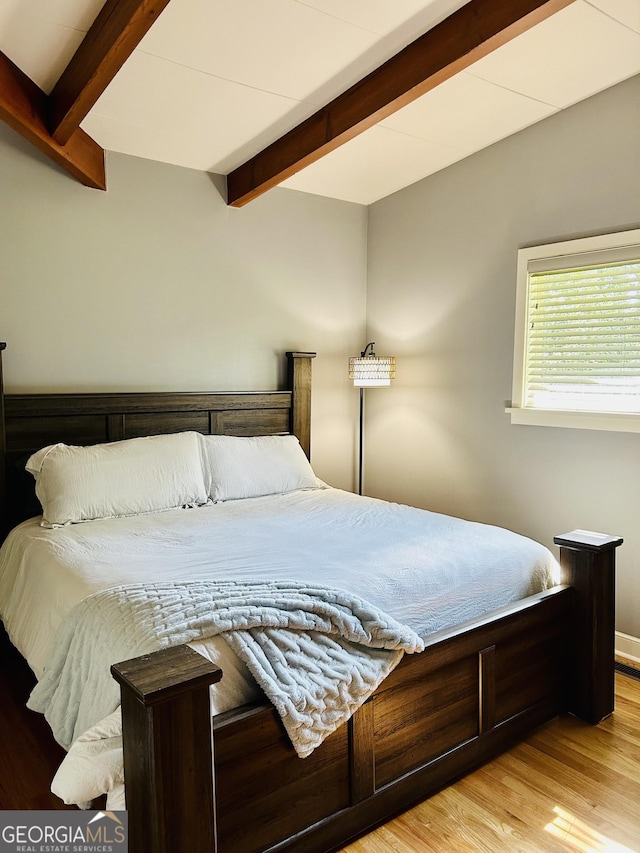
(568, 787)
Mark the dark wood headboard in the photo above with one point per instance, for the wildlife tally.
(31, 421)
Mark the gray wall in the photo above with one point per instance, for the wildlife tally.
(441, 297)
(158, 285)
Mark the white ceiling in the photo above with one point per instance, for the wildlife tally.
(215, 81)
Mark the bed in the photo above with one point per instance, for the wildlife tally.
(235, 782)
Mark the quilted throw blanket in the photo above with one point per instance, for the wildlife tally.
(317, 653)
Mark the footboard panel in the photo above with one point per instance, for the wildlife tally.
(263, 791)
(532, 666)
(422, 715)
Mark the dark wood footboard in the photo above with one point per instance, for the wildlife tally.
(475, 691)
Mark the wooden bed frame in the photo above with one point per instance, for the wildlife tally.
(235, 784)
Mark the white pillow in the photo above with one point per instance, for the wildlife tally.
(129, 477)
(237, 467)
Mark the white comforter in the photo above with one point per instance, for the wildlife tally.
(426, 570)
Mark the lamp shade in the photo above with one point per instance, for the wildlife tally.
(370, 371)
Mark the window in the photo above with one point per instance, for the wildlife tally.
(577, 343)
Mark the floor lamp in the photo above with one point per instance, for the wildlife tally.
(369, 370)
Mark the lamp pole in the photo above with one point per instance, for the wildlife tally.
(361, 441)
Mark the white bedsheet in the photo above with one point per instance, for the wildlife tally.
(428, 571)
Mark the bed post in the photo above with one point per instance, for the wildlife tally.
(588, 560)
(299, 382)
(168, 751)
(3, 450)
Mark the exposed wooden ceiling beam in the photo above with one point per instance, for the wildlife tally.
(112, 38)
(461, 39)
(23, 106)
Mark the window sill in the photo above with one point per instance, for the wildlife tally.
(574, 420)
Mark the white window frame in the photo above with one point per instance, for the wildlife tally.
(558, 255)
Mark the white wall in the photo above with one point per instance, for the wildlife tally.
(158, 285)
(441, 297)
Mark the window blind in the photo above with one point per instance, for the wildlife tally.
(583, 338)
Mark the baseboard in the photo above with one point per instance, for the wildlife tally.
(628, 647)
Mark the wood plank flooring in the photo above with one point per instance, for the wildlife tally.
(569, 788)
(29, 756)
